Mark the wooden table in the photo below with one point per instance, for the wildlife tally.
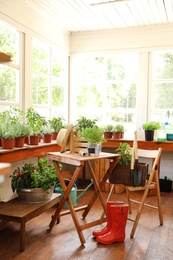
(79, 161)
(21, 212)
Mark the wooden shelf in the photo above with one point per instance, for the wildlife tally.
(5, 57)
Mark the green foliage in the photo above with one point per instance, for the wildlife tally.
(12, 115)
(118, 128)
(93, 135)
(56, 123)
(124, 151)
(47, 129)
(34, 176)
(152, 125)
(84, 122)
(8, 130)
(108, 128)
(34, 120)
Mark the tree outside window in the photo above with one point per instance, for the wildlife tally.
(162, 87)
(9, 72)
(104, 88)
(49, 80)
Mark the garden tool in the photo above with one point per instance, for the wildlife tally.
(108, 225)
(118, 215)
(132, 162)
(137, 177)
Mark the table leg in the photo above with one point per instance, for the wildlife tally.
(22, 236)
(66, 189)
(98, 187)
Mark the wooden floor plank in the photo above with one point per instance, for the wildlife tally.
(151, 241)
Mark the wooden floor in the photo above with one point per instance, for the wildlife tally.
(151, 241)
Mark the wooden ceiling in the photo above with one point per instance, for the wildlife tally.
(81, 16)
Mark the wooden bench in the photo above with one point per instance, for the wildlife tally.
(21, 212)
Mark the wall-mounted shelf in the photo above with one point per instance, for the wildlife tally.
(5, 57)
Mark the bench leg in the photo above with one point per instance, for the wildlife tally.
(22, 236)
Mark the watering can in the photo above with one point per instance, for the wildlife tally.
(73, 194)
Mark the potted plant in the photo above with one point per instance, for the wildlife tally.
(121, 173)
(128, 169)
(8, 134)
(94, 137)
(47, 133)
(56, 124)
(149, 128)
(9, 119)
(34, 183)
(22, 131)
(83, 123)
(108, 130)
(36, 122)
(118, 131)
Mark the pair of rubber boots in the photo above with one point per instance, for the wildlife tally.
(114, 231)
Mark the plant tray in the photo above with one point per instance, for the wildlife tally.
(121, 175)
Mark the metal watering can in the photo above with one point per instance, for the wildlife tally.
(73, 194)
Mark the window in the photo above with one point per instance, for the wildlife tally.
(9, 72)
(49, 81)
(162, 87)
(104, 87)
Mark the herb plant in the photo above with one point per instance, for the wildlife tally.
(32, 175)
(125, 152)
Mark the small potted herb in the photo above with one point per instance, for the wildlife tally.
(118, 131)
(108, 130)
(149, 128)
(94, 137)
(36, 122)
(56, 124)
(47, 133)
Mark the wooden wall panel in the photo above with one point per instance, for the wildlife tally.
(30, 21)
(140, 39)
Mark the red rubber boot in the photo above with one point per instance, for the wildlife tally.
(108, 225)
(116, 233)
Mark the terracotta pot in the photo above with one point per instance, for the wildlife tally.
(7, 143)
(121, 134)
(19, 141)
(47, 138)
(116, 135)
(34, 139)
(27, 140)
(107, 135)
(54, 135)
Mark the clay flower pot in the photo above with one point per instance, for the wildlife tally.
(7, 143)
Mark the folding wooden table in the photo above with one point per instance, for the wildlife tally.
(79, 162)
